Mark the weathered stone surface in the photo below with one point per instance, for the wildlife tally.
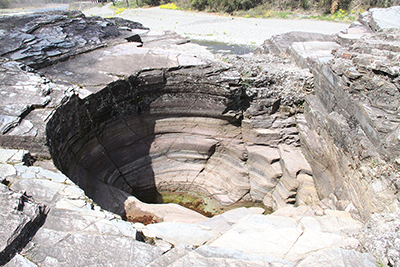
(21, 261)
(337, 257)
(306, 51)
(94, 70)
(380, 236)
(257, 234)
(232, 133)
(20, 219)
(137, 210)
(40, 40)
(178, 233)
(350, 135)
(27, 100)
(184, 139)
(379, 19)
(359, 127)
(93, 66)
(212, 256)
(280, 43)
(70, 222)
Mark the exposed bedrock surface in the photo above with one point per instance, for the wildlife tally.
(351, 138)
(180, 129)
(235, 132)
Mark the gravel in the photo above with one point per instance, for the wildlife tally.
(225, 29)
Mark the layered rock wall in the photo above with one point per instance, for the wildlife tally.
(351, 138)
(179, 129)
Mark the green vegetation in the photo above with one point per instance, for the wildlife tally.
(169, 6)
(118, 9)
(339, 16)
(329, 10)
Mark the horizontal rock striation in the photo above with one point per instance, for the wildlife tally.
(207, 129)
(180, 129)
(159, 129)
(351, 133)
(32, 42)
(43, 39)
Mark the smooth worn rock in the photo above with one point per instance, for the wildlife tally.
(257, 234)
(383, 18)
(212, 256)
(311, 51)
(184, 139)
(210, 129)
(233, 131)
(137, 210)
(178, 233)
(219, 224)
(337, 257)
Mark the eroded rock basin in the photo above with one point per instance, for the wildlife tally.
(184, 130)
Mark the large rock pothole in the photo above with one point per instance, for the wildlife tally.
(178, 130)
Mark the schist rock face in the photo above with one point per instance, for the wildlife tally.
(42, 39)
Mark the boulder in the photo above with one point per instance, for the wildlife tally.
(171, 212)
(382, 18)
(178, 233)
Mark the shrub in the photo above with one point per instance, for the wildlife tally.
(169, 6)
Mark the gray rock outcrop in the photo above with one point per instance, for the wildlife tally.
(21, 218)
(189, 130)
(351, 135)
(315, 148)
(40, 40)
(67, 222)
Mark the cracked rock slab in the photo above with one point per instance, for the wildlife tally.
(20, 219)
(76, 231)
(281, 237)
